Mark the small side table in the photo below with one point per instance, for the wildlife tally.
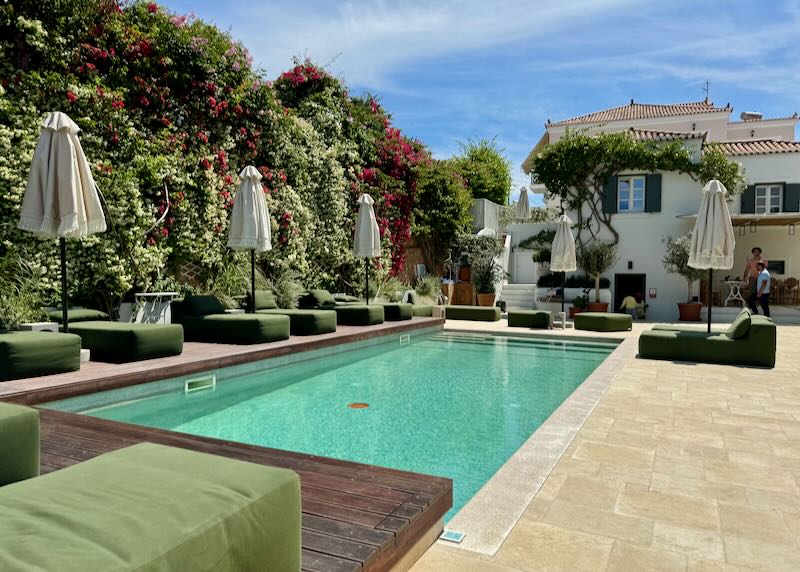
(153, 307)
(734, 292)
(234, 310)
(39, 327)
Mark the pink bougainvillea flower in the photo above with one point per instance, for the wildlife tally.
(71, 97)
(152, 7)
(206, 164)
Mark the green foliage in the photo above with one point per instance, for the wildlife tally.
(232, 280)
(287, 288)
(442, 210)
(540, 243)
(595, 258)
(553, 280)
(486, 273)
(580, 302)
(676, 260)
(469, 249)
(715, 165)
(486, 170)
(392, 289)
(429, 286)
(19, 292)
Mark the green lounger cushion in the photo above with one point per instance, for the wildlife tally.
(756, 348)
(316, 299)
(740, 326)
(397, 312)
(265, 300)
(203, 305)
(151, 508)
(121, 342)
(603, 322)
(236, 328)
(307, 322)
(475, 313)
(78, 315)
(19, 443)
(359, 315)
(31, 354)
(530, 319)
(344, 298)
(422, 311)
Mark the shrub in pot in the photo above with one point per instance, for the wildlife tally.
(486, 274)
(595, 258)
(579, 304)
(676, 261)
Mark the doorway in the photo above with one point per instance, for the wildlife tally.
(629, 285)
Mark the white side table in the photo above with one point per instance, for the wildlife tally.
(234, 311)
(734, 292)
(154, 307)
(39, 327)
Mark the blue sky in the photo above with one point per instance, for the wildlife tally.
(451, 70)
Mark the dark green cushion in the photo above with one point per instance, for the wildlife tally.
(397, 312)
(603, 322)
(344, 298)
(265, 300)
(422, 311)
(19, 443)
(203, 305)
(307, 322)
(153, 508)
(78, 315)
(121, 342)
(757, 348)
(234, 328)
(474, 313)
(316, 299)
(31, 354)
(359, 315)
(530, 319)
(740, 326)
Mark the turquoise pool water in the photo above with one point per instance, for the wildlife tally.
(447, 404)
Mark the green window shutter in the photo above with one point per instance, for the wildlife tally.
(652, 194)
(748, 205)
(791, 198)
(610, 195)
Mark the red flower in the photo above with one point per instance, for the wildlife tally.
(206, 164)
(201, 135)
(143, 101)
(152, 7)
(151, 241)
(212, 102)
(228, 180)
(71, 97)
(164, 231)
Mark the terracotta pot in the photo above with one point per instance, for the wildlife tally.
(573, 310)
(597, 307)
(485, 299)
(464, 273)
(689, 311)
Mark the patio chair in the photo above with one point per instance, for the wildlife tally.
(791, 290)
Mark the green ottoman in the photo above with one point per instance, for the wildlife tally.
(603, 322)
(422, 311)
(530, 319)
(121, 342)
(19, 443)
(31, 354)
(476, 313)
(397, 312)
(359, 314)
(306, 322)
(235, 328)
(151, 508)
(78, 315)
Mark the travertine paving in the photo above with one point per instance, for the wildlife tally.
(679, 467)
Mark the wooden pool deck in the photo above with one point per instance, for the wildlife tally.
(355, 517)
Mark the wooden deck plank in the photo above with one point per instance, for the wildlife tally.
(352, 519)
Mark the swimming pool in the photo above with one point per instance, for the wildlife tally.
(448, 404)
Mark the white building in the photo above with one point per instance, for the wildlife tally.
(647, 207)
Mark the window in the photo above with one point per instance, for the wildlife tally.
(777, 266)
(630, 194)
(769, 199)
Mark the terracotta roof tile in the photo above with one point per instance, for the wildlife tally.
(644, 111)
(757, 146)
(650, 135)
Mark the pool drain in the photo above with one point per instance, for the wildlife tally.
(358, 405)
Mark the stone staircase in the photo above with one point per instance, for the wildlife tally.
(519, 296)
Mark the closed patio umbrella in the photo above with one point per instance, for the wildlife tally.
(367, 241)
(713, 241)
(562, 252)
(522, 210)
(250, 224)
(61, 199)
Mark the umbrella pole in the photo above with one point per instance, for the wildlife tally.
(710, 296)
(366, 287)
(253, 281)
(563, 288)
(64, 319)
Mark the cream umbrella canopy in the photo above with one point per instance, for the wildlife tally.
(562, 251)
(713, 242)
(61, 198)
(522, 210)
(367, 241)
(250, 224)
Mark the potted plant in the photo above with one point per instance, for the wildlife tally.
(578, 305)
(595, 258)
(464, 268)
(486, 274)
(676, 261)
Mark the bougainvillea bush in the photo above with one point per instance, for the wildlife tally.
(170, 110)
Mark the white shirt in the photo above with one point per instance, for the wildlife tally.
(763, 279)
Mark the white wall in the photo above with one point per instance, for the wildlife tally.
(768, 129)
(715, 123)
(775, 243)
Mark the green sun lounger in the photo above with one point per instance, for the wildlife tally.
(398, 312)
(204, 320)
(301, 322)
(151, 508)
(32, 354)
(19, 443)
(347, 314)
(121, 342)
(603, 322)
(475, 313)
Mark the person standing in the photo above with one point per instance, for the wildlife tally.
(629, 304)
(762, 290)
(751, 273)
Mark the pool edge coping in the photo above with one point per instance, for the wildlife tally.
(492, 513)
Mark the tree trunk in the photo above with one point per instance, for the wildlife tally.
(596, 288)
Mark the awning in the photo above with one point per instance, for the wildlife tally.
(772, 219)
